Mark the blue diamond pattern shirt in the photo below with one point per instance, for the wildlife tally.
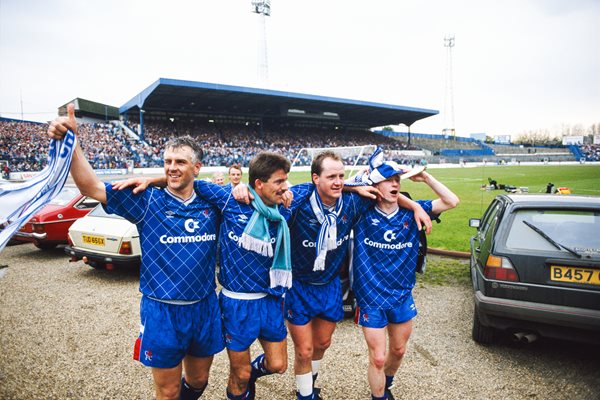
(304, 231)
(241, 270)
(385, 256)
(178, 240)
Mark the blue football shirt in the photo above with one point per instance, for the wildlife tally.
(385, 256)
(304, 231)
(178, 240)
(241, 270)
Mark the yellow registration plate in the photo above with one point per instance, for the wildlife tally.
(575, 275)
(95, 240)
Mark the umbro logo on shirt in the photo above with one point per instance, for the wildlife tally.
(170, 213)
(375, 221)
(242, 218)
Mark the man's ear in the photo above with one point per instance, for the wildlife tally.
(197, 168)
(314, 178)
(258, 184)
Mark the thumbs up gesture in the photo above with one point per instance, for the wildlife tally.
(60, 126)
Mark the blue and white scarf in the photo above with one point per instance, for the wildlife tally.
(327, 239)
(256, 238)
(20, 201)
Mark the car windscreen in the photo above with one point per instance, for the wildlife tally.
(64, 196)
(100, 212)
(575, 229)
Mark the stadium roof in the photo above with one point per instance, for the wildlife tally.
(92, 109)
(172, 97)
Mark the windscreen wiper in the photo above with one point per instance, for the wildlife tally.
(552, 241)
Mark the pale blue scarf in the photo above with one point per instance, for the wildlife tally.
(20, 201)
(256, 238)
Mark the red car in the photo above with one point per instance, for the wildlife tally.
(50, 226)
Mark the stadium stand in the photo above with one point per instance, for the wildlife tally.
(109, 145)
(591, 152)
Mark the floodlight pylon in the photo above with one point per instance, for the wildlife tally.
(449, 128)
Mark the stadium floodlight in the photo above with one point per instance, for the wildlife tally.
(263, 9)
(449, 128)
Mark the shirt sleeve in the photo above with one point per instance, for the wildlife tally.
(359, 205)
(301, 193)
(427, 206)
(216, 195)
(132, 207)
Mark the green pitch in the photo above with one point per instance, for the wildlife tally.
(454, 232)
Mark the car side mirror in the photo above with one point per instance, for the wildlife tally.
(474, 222)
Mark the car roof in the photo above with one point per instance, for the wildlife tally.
(552, 199)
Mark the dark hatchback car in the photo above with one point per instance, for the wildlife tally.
(535, 268)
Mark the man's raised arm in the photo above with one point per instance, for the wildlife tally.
(447, 199)
(84, 176)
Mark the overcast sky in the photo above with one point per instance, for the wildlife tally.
(518, 65)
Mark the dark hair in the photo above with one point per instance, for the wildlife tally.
(266, 164)
(235, 166)
(317, 164)
(181, 141)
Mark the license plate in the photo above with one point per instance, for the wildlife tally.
(95, 240)
(575, 275)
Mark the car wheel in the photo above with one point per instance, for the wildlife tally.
(45, 246)
(482, 334)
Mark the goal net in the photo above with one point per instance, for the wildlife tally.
(354, 157)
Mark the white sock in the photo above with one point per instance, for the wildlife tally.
(304, 384)
(315, 364)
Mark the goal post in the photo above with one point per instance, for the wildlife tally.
(351, 155)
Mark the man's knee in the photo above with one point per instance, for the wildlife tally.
(241, 373)
(322, 344)
(398, 351)
(304, 351)
(378, 361)
(168, 391)
(277, 365)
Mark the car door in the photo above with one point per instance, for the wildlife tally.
(482, 242)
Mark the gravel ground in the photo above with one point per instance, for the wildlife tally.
(67, 332)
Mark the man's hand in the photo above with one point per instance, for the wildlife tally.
(288, 197)
(420, 177)
(59, 127)
(368, 192)
(138, 184)
(242, 194)
(422, 219)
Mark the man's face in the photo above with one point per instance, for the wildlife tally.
(235, 176)
(390, 190)
(330, 182)
(271, 192)
(218, 179)
(179, 168)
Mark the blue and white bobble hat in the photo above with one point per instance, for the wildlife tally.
(380, 171)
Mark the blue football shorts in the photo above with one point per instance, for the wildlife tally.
(244, 321)
(169, 332)
(305, 301)
(378, 318)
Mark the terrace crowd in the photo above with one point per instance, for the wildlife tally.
(591, 152)
(108, 145)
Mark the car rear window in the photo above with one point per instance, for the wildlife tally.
(64, 196)
(575, 229)
(100, 212)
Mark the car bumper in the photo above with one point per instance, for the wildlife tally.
(547, 319)
(29, 236)
(102, 258)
